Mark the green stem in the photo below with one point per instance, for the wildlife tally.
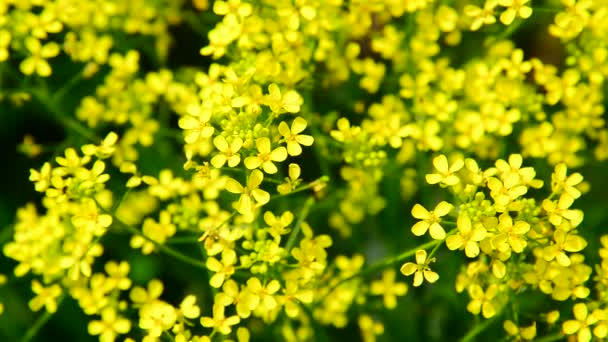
(323, 179)
(74, 125)
(390, 261)
(165, 249)
(40, 322)
(296, 229)
(60, 93)
(479, 328)
(551, 338)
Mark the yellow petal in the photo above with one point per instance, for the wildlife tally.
(571, 326)
(420, 228)
(431, 276)
(252, 162)
(443, 208)
(420, 212)
(420, 256)
(454, 242)
(284, 129)
(437, 231)
(408, 268)
(279, 154)
(298, 125)
(441, 163)
(233, 186)
(263, 145)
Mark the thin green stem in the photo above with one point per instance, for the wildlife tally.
(551, 338)
(321, 180)
(61, 92)
(296, 229)
(390, 261)
(479, 328)
(163, 248)
(39, 323)
(44, 98)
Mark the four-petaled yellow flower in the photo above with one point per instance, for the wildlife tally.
(219, 321)
(468, 236)
(388, 288)
(109, 326)
(250, 193)
(560, 181)
(510, 234)
(196, 123)
(420, 269)
(482, 301)
(514, 8)
(39, 54)
(581, 324)
(445, 175)
(293, 137)
(45, 296)
(292, 181)
(279, 103)
(228, 151)
(222, 269)
(266, 156)
(430, 220)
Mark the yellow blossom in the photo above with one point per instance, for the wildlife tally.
(266, 156)
(293, 137)
(39, 54)
(388, 288)
(219, 321)
(468, 236)
(420, 269)
(430, 220)
(445, 175)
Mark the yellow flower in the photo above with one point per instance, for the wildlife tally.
(293, 137)
(510, 235)
(188, 307)
(196, 123)
(263, 294)
(506, 191)
(559, 210)
(156, 317)
(278, 226)
(521, 333)
(278, 103)
(219, 321)
(109, 326)
(292, 181)
(467, 236)
(481, 16)
(228, 152)
(388, 288)
(482, 301)
(430, 220)
(45, 296)
(581, 323)
(561, 182)
(39, 54)
(514, 8)
(292, 294)
(420, 269)
(445, 175)
(222, 269)
(245, 204)
(266, 156)
(563, 241)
